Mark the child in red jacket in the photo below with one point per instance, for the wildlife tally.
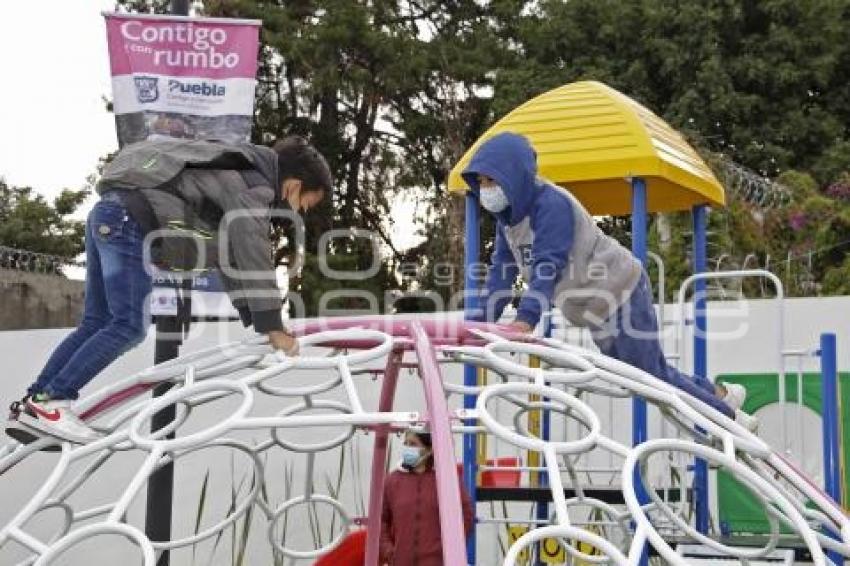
(410, 522)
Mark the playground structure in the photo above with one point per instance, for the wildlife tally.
(346, 348)
(617, 157)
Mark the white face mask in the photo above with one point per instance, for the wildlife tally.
(493, 198)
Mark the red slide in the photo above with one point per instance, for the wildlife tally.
(350, 552)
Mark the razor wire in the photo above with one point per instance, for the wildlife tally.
(567, 374)
(751, 187)
(33, 262)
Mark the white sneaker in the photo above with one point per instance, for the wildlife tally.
(57, 419)
(735, 395)
(747, 421)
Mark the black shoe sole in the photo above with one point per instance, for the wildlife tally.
(24, 437)
(21, 436)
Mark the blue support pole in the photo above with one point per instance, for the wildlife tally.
(831, 453)
(700, 358)
(470, 372)
(639, 420)
(639, 221)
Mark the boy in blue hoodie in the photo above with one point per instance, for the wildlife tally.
(544, 233)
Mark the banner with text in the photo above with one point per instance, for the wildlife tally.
(182, 77)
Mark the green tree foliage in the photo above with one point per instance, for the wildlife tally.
(394, 91)
(390, 92)
(763, 83)
(29, 222)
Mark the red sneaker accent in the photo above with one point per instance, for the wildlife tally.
(51, 416)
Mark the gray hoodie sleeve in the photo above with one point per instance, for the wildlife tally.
(245, 255)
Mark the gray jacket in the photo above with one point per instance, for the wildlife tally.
(600, 274)
(206, 204)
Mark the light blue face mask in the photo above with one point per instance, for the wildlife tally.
(493, 198)
(410, 456)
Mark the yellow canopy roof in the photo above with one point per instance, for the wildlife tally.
(592, 139)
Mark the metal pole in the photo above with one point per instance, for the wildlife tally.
(831, 454)
(542, 507)
(445, 467)
(160, 497)
(379, 459)
(639, 220)
(639, 420)
(700, 358)
(161, 482)
(470, 372)
(169, 331)
(180, 7)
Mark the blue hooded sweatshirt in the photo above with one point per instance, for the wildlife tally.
(545, 228)
(548, 236)
(509, 159)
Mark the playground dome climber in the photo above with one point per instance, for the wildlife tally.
(566, 382)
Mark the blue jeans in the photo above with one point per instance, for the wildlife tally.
(631, 336)
(115, 316)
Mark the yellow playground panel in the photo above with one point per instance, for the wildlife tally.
(593, 140)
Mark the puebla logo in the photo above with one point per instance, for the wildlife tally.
(147, 89)
(204, 88)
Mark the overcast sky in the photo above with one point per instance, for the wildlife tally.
(54, 71)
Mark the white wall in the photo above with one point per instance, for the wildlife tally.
(747, 344)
